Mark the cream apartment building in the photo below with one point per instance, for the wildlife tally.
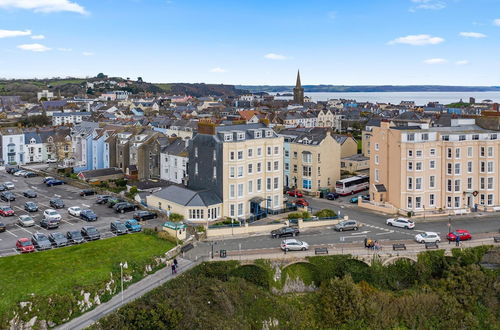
(421, 168)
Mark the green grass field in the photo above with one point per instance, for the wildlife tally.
(165, 87)
(69, 269)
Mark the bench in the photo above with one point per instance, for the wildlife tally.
(496, 239)
(321, 250)
(187, 247)
(432, 245)
(399, 246)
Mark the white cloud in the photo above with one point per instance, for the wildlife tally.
(44, 6)
(14, 33)
(435, 61)
(417, 40)
(38, 37)
(34, 47)
(462, 62)
(496, 22)
(428, 4)
(218, 70)
(472, 35)
(64, 49)
(273, 56)
(88, 54)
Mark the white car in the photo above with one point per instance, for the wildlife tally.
(428, 237)
(9, 185)
(51, 214)
(25, 221)
(48, 161)
(20, 173)
(74, 211)
(294, 245)
(401, 222)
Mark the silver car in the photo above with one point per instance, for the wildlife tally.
(25, 221)
(346, 225)
(294, 245)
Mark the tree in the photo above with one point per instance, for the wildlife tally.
(101, 75)
(139, 80)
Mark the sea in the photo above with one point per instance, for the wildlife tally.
(420, 98)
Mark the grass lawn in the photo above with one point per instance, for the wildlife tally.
(165, 87)
(68, 269)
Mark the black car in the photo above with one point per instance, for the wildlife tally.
(90, 233)
(49, 223)
(75, 237)
(41, 241)
(332, 196)
(12, 170)
(88, 215)
(31, 207)
(56, 203)
(285, 231)
(145, 215)
(7, 196)
(114, 200)
(3, 187)
(30, 194)
(102, 199)
(29, 175)
(125, 207)
(58, 239)
(2, 227)
(118, 228)
(87, 192)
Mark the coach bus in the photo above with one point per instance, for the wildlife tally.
(352, 185)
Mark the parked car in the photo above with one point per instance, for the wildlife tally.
(47, 178)
(51, 214)
(125, 207)
(2, 227)
(49, 223)
(145, 215)
(6, 211)
(401, 222)
(114, 200)
(25, 221)
(30, 194)
(285, 231)
(7, 196)
(332, 196)
(133, 226)
(54, 182)
(102, 199)
(56, 203)
(118, 228)
(90, 233)
(20, 173)
(31, 206)
(87, 192)
(12, 170)
(51, 161)
(24, 245)
(301, 202)
(292, 244)
(58, 239)
(9, 185)
(30, 174)
(464, 235)
(346, 225)
(75, 237)
(295, 193)
(88, 215)
(41, 241)
(3, 187)
(74, 211)
(428, 237)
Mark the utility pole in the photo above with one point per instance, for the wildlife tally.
(121, 275)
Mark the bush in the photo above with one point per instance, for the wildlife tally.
(121, 182)
(175, 217)
(299, 215)
(325, 213)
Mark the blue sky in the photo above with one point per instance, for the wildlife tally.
(452, 42)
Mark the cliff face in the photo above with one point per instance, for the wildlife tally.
(489, 122)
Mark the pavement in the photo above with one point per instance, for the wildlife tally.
(70, 196)
(131, 293)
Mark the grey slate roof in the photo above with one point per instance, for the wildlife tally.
(187, 197)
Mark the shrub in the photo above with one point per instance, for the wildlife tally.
(253, 274)
(299, 215)
(176, 217)
(325, 213)
(120, 182)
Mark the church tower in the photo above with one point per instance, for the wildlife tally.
(298, 91)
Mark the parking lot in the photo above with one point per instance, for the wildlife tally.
(70, 196)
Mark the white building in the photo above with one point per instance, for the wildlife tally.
(173, 162)
(12, 139)
(45, 94)
(34, 147)
(65, 118)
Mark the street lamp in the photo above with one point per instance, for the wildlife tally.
(121, 276)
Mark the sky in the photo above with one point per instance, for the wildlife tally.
(255, 42)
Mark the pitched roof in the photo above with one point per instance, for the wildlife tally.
(188, 197)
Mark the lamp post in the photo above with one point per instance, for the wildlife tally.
(449, 222)
(121, 276)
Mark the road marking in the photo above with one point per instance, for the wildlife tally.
(14, 180)
(56, 195)
(11, 233)
(360, 233)
(85, 205)
(26, 230)
(385, 233)
(67, 222)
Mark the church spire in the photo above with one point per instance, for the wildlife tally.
(298, 91)
(298, 84)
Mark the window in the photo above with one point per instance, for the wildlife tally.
(240, 171)
(294, 168)
(276, 200)
(240, 136)
(469, 167)
(287, 166)
(276, 165)
(490, 199)
(240, 155)
(276, 150)
(448, 152)
(432, 152)
(457, 202)
(469, 151)
(259, 167)
(490, 183)
(215, 172)
(231, 155)
(376, 146)
(418, 166)
(319, 158)
(307, 157)
(287, 153)
(241, 187)
(490, 167)
(446, 138)
(228, 137)
(481, 199)
(483, 167)
(482, 151)
(196, 151)
(410, 166)
(432, 164)
(449, 168)
(269, 167)
(258, 134)
(231, 210)
(457, 168)
(231, 172)
(410, 183)
(457, 153)
(410, 137)
(250, 168)
(410, 153)
(214, 155)
(409, 203)
(268, 184)
(418, 183)
(306, 171)
(418, 153)
(432, 181)
(306, 184)
(319, 171)
(232, 193)
(461, 137)
(431, 200)
(269, 133)
(276, 183)
(250, 186)
(376, 159)
(196, 168)
(259, 185)
(482, 183)
(449, 185)
(490, 151)
(240, 209)
(448, 201)
(457, 185)
(376, 176)
(425, 136)
(418, 202)
(269, 151)
(259, 151)
(295, 154)
(250, 153)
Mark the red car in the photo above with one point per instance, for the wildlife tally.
(6, 211)
(295, 193)
(24, 245)
(464, 235)
(301, 202)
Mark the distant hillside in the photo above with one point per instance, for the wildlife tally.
(365, 88)
(198, 90)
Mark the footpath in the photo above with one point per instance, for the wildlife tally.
(133, 292)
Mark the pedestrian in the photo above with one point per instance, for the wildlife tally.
(174, 271)
(457, 240)
(175, 263)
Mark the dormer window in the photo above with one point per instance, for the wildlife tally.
(240, 136)
(269, 133)
(32, 141)
(258, 134)
(228, 137)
